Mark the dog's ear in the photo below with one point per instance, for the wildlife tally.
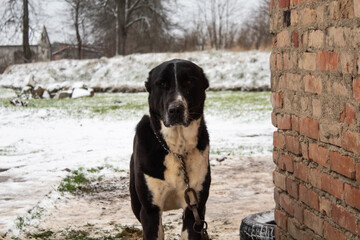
(205, 80)
(147, 83)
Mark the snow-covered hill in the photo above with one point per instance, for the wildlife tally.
(224, 69)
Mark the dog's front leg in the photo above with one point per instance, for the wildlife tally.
(188, 231)
(152, 224)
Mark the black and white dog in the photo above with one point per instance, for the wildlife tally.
(175, 125)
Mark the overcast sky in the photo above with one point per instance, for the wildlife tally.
(55, 15)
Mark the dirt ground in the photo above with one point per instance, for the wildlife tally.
(240, 186)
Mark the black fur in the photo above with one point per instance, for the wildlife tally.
(149, 155)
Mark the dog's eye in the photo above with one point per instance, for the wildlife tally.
(188, 82)
(163, 84)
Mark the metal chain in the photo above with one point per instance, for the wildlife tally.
(188, 190)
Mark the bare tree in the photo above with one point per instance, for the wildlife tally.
(77, 11)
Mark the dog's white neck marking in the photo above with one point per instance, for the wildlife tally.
(181, 139)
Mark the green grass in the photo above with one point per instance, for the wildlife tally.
(76, 181)
(122, 106)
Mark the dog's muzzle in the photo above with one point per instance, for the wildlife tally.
(176, 114)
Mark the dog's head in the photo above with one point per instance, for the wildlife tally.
(176, 92)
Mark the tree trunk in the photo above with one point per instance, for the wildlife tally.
(26, 45)
(78, 37)
(121, 32)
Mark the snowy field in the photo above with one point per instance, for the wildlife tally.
(225, 70)
(40, 144)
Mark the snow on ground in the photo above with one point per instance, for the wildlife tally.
(226, 70)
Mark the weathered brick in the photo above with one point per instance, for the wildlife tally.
(319, 154)
(304, 150)
(309, 197)
(287, 204)
(314, 177)
(335, 37)
(280, 219)
(357, 14)
(286, 163)
(343, 218)
(344, 165)
(292, 144)
(358, 172)
(284, 121)
(316, 39)
(295, 231)
(273, 61)
(276, 100)
(295, 123)
(278, 140)
(283, 39)
(279, 180)
(309, 127)
(352, 196)
(313, 84)
(325, 206)
(346, 8)
(351, 141)
(307, 61)
(271, 5)
(348, 62)
(313, 222)
(356, 88)
(327, 61)
(273, 119)
(294, 17)
(332, 233)
(334, 10)
(292, 187)
(279, 63)
(339, 89)
(330, 132)
(307, 16)
(316, 108)
(301, 171)
(299, 213)
(331, 185)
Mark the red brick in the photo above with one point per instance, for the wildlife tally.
(284, 121)
(283, 3)
(271, 5)
(292, 187)
(309, 197)
(273, 119)
(281, 219)
(358, 173)
(304, 150)
(295, 123)
(351, 141)
(279, 140)
(331, 185)
(276, 100)
(279, 61)
(287, 204)
(319, 154)
(273, 61)
(295, 39)
(309, 127)
(277, 196)
(344, 165)
(352, 196)
(275, 156)
(286, 163)
(277, 232)
(279, 180)
(292, 144)
(299, 213)
(325, 206)
(348, 115)
(313, 222)
(343, 218)
(327, 61)
(313, 84)
(356, 88)
(314, 178)
(301, 171)
(331, 233)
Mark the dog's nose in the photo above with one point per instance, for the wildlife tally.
(176, 112)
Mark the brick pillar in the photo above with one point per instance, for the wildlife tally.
(315, 82)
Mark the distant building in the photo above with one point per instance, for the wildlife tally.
(13, 54)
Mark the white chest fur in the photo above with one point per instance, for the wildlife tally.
(168, 194)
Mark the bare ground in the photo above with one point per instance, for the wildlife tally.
(240, 186)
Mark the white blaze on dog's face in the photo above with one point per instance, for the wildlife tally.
(176, 92)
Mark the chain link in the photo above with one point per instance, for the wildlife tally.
(192, 207)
